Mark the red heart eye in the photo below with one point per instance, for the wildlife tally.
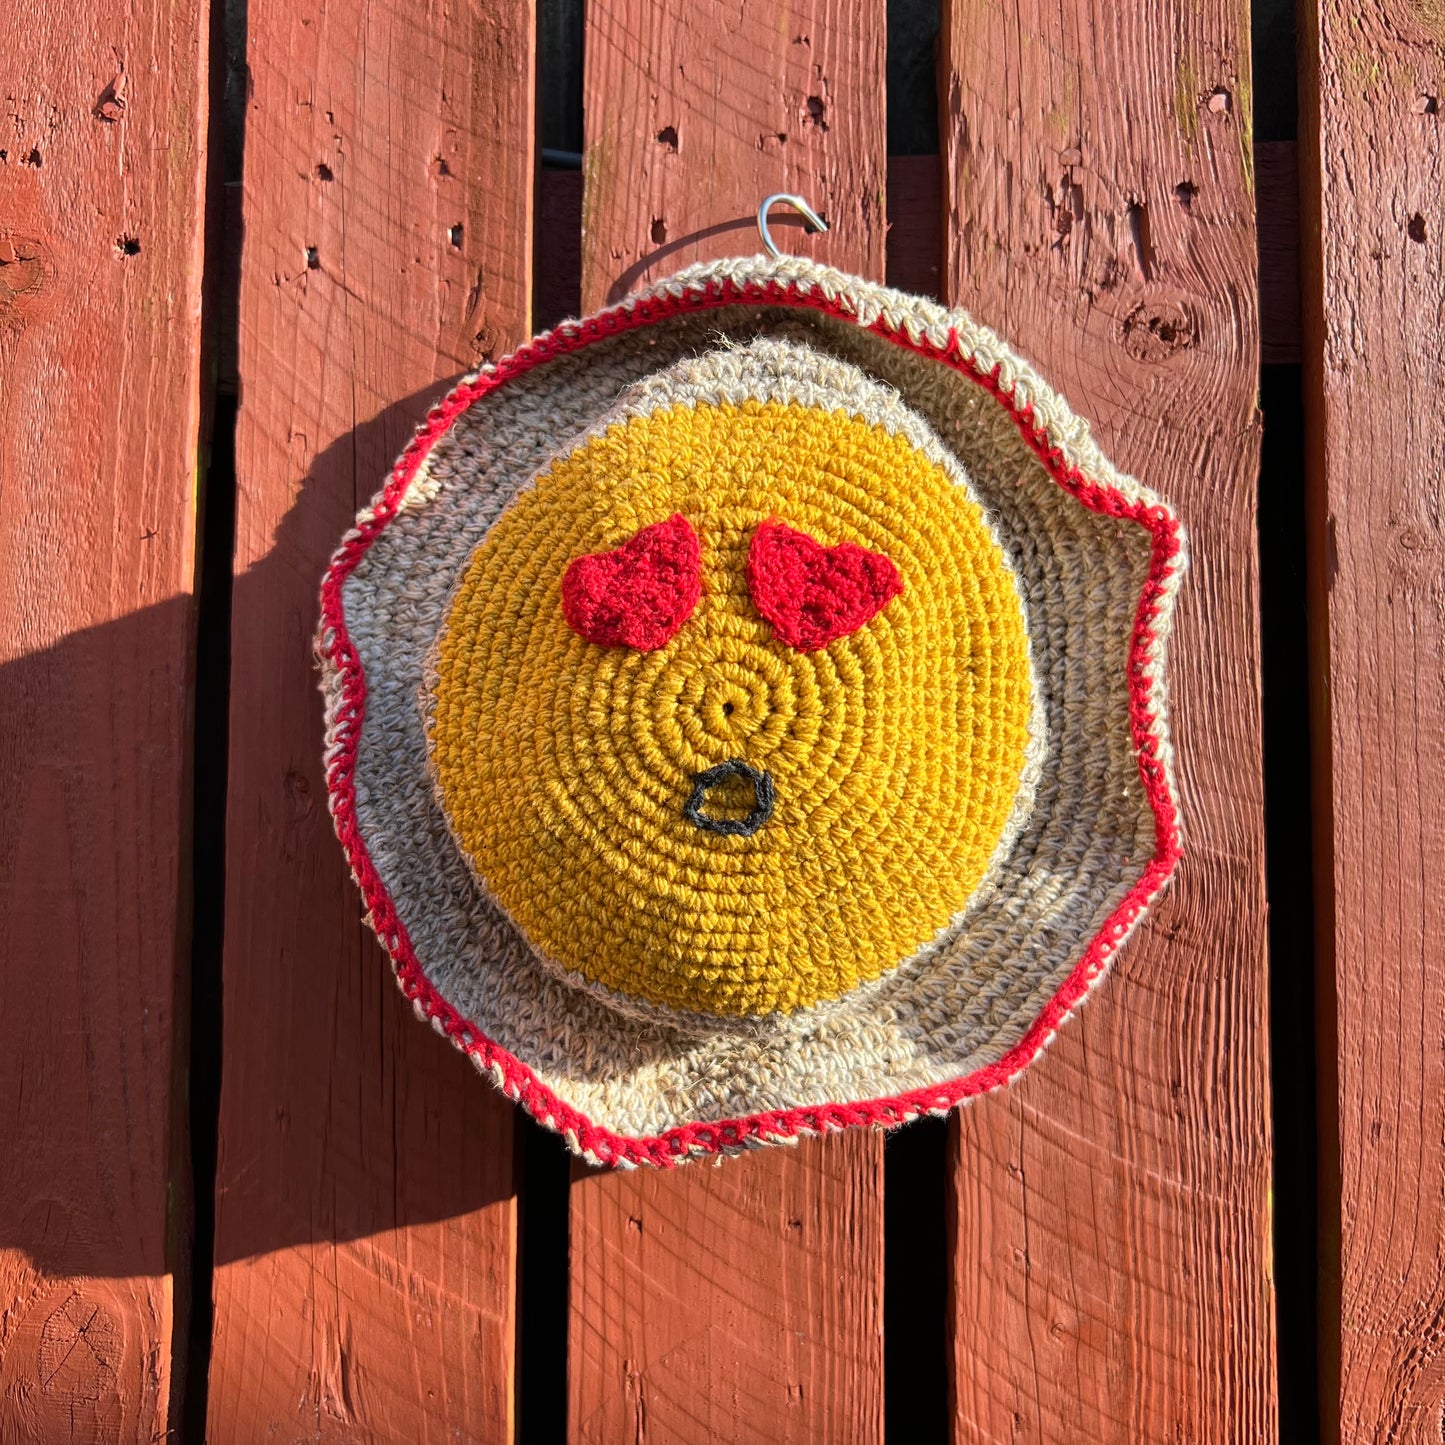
(638, 594)
(812, 594)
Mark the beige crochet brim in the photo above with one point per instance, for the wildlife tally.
(1097, 560)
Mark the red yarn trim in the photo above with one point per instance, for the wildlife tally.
(638, 594)
(514, 1077)
(812, 594)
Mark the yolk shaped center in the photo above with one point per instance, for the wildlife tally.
(892, 755)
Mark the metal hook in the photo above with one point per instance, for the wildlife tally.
(814, 220)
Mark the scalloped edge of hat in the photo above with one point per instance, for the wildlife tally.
(1068, 456)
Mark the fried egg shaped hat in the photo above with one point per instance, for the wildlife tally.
(745, 713)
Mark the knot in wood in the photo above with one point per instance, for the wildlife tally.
(1156, 330)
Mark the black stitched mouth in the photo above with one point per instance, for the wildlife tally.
(761, 811)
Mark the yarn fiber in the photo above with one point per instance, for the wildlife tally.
(895, 753)
(1093, 830)
(639, 593)
(811, 594)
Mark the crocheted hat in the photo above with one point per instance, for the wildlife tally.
(745, 713)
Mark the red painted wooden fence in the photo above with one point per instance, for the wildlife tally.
(337, 208)
(1111, 1247)
(365, 1235)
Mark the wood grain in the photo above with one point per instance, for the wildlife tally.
(741, 1302)
(1371, 171)
(101, 191)
(1277, 178)
(915, 226)
(1111, 1254)
(696, 112)
(366, 1217)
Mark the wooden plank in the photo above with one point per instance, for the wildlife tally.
(915, 236)
(734, 1302)
(1111, 1262)
(915, 225)
(694, 114)
(742, 1301)
(1371, 169)
(559, 247)
(366, 1215)
(1278, 213)
(102, 166)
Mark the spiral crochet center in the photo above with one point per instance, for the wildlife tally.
(892, 756)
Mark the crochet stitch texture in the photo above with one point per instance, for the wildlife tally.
(638, 594)
(895, 754)
(811, 594)
(1092, 831)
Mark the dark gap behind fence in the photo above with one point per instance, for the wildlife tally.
(1284, 669)
(212, 705)
(1289, 886)
(916, 1365)
(543, 1166)
(215, 549)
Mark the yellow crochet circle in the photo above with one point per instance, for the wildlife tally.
(896, 752)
